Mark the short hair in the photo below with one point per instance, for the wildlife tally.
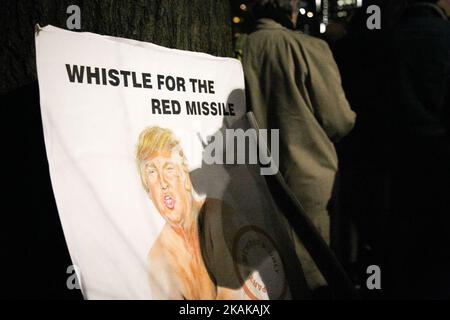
(152, 140)
(278, 10)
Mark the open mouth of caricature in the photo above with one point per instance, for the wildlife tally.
(169, 202)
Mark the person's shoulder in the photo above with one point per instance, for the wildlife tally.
(308, 41)
(304, 41)
(273, 35)
(160, 244)
(154, 253)
(278, 40)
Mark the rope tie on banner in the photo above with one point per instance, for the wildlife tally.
(37, 28)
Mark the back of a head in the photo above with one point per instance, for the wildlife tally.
(278, 10)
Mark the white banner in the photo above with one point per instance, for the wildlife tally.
(125, 126)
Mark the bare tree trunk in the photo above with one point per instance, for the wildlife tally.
(197, 25)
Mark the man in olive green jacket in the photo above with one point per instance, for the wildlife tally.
(293, 85)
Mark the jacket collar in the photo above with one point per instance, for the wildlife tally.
(266, 23)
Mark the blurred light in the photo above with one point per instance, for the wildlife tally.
(243, 7)
(325, 12)
(236, 20)
(323, 28)
(349, 2)
(359, 3)
(318, 4)
(341, 14)
(340, 3)
(302, 11)
(310, 14)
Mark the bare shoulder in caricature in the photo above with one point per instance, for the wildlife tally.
(148, 211)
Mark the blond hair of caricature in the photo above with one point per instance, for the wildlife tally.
(155, 139)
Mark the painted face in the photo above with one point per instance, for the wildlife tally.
(168, 185)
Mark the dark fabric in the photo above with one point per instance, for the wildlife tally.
(293, 85)
(418, 253)
(418, 243)
(421, 73)
(364, 155)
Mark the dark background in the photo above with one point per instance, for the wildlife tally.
(34, 256)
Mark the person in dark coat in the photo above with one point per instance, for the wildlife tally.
(418, 258)
(294, 85)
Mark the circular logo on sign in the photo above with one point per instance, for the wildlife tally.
(258, 264)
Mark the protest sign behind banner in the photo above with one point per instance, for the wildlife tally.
(125, 126)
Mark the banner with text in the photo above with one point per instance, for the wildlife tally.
(146, 215)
